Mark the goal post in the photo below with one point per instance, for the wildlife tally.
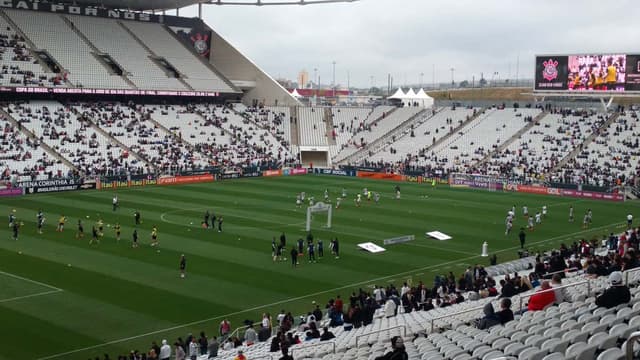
(317, 208)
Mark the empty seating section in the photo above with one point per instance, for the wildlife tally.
(52, 33)
(18, 67)
(478, 138)
(110, 37)
(164, 44)
(23, 159)
(613, 154)
(313, 130)
(426, 133)
(60, 127)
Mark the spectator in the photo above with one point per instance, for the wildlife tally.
(285, 355)
(397, 350)
(165, 351)
(505, 314)
(240, 356)
(561, 293)
(180, 354)
(250, 336)
(193, 349)
(213, 347)
(542, 298)
(490, 318)
(615, 295)
(326, 334)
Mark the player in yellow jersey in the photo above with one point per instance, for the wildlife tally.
(154, 236)
(61, 222)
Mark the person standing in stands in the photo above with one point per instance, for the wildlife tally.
(615, 295)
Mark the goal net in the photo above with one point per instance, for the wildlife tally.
(318, 208)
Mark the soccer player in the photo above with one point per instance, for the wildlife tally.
(61, 222)
(369, 195)
(530, 223)
(571, 213)
(397, 188)
(376, 197)
(320, 249)
(15, 227)
(94, 235)
(274, 249)
(509, 225)
(344, 192)
(513, 209)
(522, 236)
(544, 211)
(311, 200)
(154, 236)
(358, 200)
(136, 216)
(312, 251)
(590, 215)
(326, 195)
(135, 238)
(115, 202)
(213, 220)
(538, 218)
(207, 215)
(629, 220)
(294, 256)
(80, 233)
(302, 195)
(12, 218)
(336, 248)
(183, 266)
(116, 228)
(525, 211)
(220, 221)
(298, 201)
(283, 240)
(100, 227)
(338, 200)
(40, 221)
(585, 221)
(300, 246)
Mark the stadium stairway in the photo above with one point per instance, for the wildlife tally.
(578, 148)
(97, 51)
(328, 120)
(32, 46)
(33, 136)
(378, 144)
(112, 138)
(295, 130)
(456, 130)
(516, 136)
(154, 56)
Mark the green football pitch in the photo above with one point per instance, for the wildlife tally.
(61, 298)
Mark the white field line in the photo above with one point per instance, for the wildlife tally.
(31, 281)
(350, 286)
(29, 296)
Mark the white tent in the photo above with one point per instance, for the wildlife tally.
(409, 98)
(296, 94)
(423, 99)
(399, 94)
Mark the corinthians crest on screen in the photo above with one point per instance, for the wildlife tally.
(550, 71)
(201, 43)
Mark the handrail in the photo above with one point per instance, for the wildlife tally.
(381, 330)
(454, 314)
(546, 275)
(321, 343)
(635, 336)
(266, 356)
(556, 288)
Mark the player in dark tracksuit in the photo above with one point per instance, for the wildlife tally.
(312, 251)
(294, 256)
(320, 248)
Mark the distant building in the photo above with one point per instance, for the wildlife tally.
(303, 79)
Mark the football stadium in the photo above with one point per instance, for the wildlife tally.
(167, 198)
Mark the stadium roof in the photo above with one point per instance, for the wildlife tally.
(173, 4)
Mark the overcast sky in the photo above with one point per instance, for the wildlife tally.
(408, 37)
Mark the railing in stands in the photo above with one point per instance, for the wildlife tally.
(332, 343)
(550, 275)
(404, 333)
(633, 338)
(556, 288)
(433, 320)
(626, 275)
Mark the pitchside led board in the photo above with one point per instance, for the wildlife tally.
(613, 72)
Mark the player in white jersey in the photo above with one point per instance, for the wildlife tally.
(376, 197)
(629, 221)
(302, 195)
(525, 211)
(344, 193)
(115, 202)
(585, 221)
(511, 213)
(298, 201)
(571, 213)
(358, 200)
(365, 191)
(326, 195)
(509, 226)
(311, 201)
(530, 223)
(544, 211)
(513, 209)
(538, 218)
(338, 200)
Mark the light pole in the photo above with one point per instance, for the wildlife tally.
(421, 80)
(453, 70)
(334, 78)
